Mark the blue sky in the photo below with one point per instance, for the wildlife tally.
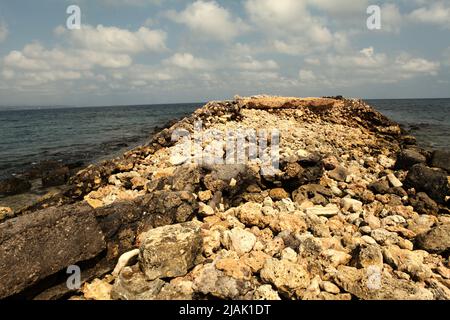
(163, 51)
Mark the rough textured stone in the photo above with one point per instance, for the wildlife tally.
(409, 157)
(13, 186)
(378, 285)
(285, 275)
(33, 247)
(436, 240)
(133, 285)
(242, 241)
(432, 181)
(441, 159)
(170, 251)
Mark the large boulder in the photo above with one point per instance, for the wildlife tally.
(33, 247)
(434, 182)
(441, 159)
(170, 251)
(14, 185)
(437, 240)
(409, 157)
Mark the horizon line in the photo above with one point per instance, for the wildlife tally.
(174, 103)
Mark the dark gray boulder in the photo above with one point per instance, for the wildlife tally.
(409, 157)
(14, 185)
(431, 181)
(33, 247)
(441, 159)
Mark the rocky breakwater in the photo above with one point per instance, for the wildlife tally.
(351, 208)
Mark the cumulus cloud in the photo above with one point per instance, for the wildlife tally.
(368, 67)
(209, 19)
(249, 63)
(113, 39)
(188, 61)
(436, 13)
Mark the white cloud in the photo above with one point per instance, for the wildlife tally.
(113, 39)
(418, 65)
(368, 67)
(209, 19)
(251, 64)
(36, 57)
(188, 61)
(3, 31)
(437, 14)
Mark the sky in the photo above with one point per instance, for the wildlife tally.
(171, 51)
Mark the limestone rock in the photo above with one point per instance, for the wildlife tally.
(265, 292)
(285, 275)
(170, 251)
(242, 241)
(378, 285)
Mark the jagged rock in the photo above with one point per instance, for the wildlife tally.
(251, 214)
(423, 204)
(205, 195)
(380, 187)
(315, 193)
(394, 181)
(330, 287)
(168, 206)
(432, 181)
(334, 258)
(242, 241)
(170, 251)
(210, 281)
(369, 255)
(407, 261)
(133, 285)
(384, 237)
(97, 290)
(278, 194)
(441, 159)
(351, 205)
(12, 186)
(339, 174)
(328, 211)
(285, 275)
(265, 292)
(409, 157)
(379, 285)
(234, 268)
(436, 240)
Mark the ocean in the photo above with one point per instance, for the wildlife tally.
(82, 134)
(427, 119)
(73, 135)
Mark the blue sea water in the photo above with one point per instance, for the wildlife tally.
(427, 119)
(78, 134)
(89, 134)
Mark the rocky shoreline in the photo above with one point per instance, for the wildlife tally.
(356, 210)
